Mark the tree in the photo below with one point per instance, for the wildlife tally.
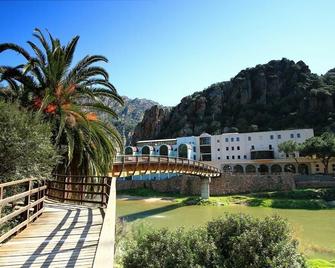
(25, 146)
(69, 98)
(323, 147)
(290, 148)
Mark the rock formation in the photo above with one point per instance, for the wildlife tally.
(281, 94)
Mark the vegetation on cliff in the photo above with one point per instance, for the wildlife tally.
(281, 94)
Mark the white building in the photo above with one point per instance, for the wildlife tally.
(255, 152)
(234, 147)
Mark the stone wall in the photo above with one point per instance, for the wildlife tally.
(315, 181)
(226, 184)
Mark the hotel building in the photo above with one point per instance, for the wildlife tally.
(254, 152)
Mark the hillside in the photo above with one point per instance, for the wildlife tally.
(281, 94)
(130, 114)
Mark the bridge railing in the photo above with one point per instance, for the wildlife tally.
(21, 202)
(79, 189)
(129, 165)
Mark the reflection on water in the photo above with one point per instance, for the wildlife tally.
(315, 229)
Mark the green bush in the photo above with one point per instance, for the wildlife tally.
(230, 241)
(25, 146)
(164, 248)
(245, 241)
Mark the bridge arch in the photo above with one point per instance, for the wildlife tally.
(263, 169)
(303, 169)
(184, 150)
(276, 169)
(147, 150)
(226, 168)
(238, 169)
(289, 168)
(250, 169)
(165, 149)
(130, 150)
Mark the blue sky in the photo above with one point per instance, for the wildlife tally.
(165, 50)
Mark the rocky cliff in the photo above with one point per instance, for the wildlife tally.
(130, 114)
(281, 94)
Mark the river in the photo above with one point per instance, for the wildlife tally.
(315, 229)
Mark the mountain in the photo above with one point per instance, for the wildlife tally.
(130, 114)
(281, 94)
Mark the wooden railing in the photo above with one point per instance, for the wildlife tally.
(21, 202)
(91, 189)
(80, 189)
(129, 165)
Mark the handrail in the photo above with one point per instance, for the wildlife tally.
(77, 188)
(33, 195)
(152, 164)
(104, 256)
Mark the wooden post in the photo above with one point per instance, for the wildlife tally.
(1, 197)
(27, 199)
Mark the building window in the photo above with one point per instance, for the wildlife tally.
(252, 147)
(279, 136)
(298, 135)
(238, 148)
(232, 148)
(227, 148)
(233, 157)
(249, 138)
(232, 139)
(206, 157)
(317, 165)
(292, 135)
(218, 149)
(226, 140)
(270, 147)
(237, 138)
(194, 157)
(219, 157)
(271, 137)
(245, 157)
(218, 141)
(194, 149)
(238, 157)
(228, 157)
(205, 140)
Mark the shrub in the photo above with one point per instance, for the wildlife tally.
(25, 146)
(244, 241)
(230, 241)
(164, 248)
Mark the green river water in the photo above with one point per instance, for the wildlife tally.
(315, 229)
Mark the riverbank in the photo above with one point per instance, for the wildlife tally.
(316, 243)
(297, 199)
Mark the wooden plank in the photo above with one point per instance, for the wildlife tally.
(11, 183)
(65, 235)
(21, 195)
(21, 210)
(18, 227)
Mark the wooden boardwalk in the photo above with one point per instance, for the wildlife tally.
(65, 235)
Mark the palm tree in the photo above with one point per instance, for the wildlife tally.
(70, 97)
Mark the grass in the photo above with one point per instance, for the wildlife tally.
(298, 199)
(319, 263)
